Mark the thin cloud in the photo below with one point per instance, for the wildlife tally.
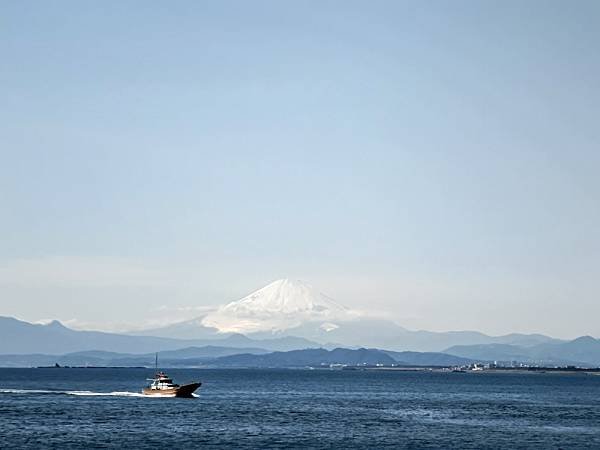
(80, 272)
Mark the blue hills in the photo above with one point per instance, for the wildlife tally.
(583, 351)
(19, 337)
(224, 357)
(25, 344)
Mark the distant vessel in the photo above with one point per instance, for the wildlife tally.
(162, 386)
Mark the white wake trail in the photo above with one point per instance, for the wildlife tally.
(78, 393)
(105, 394)
(25, 391)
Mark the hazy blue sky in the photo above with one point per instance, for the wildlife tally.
(436, 160)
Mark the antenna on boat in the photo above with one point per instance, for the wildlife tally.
(156, 361)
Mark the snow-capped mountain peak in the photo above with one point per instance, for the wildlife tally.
(284, 296)
(280, 305)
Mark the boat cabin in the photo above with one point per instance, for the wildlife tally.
(162, 381)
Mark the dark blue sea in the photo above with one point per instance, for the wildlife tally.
(101, 408)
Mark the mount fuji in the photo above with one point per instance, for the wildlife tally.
(277, 307)
(294, 310)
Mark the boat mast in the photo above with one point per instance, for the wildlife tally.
(156, 361)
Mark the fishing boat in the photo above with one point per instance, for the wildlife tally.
(162, 386)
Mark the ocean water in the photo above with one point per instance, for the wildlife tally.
(102, 408)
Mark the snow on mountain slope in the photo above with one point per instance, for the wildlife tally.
(279, 306)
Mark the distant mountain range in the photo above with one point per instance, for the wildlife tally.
(359, 332)
(18, 337)
(288, 307)
(341, 356)
(210, 356)
(33, 344)
(583, 351)
(291, 315)
(185, 357)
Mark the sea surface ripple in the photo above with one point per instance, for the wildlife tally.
(103, 408)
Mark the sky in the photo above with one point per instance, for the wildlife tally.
(433, 161)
